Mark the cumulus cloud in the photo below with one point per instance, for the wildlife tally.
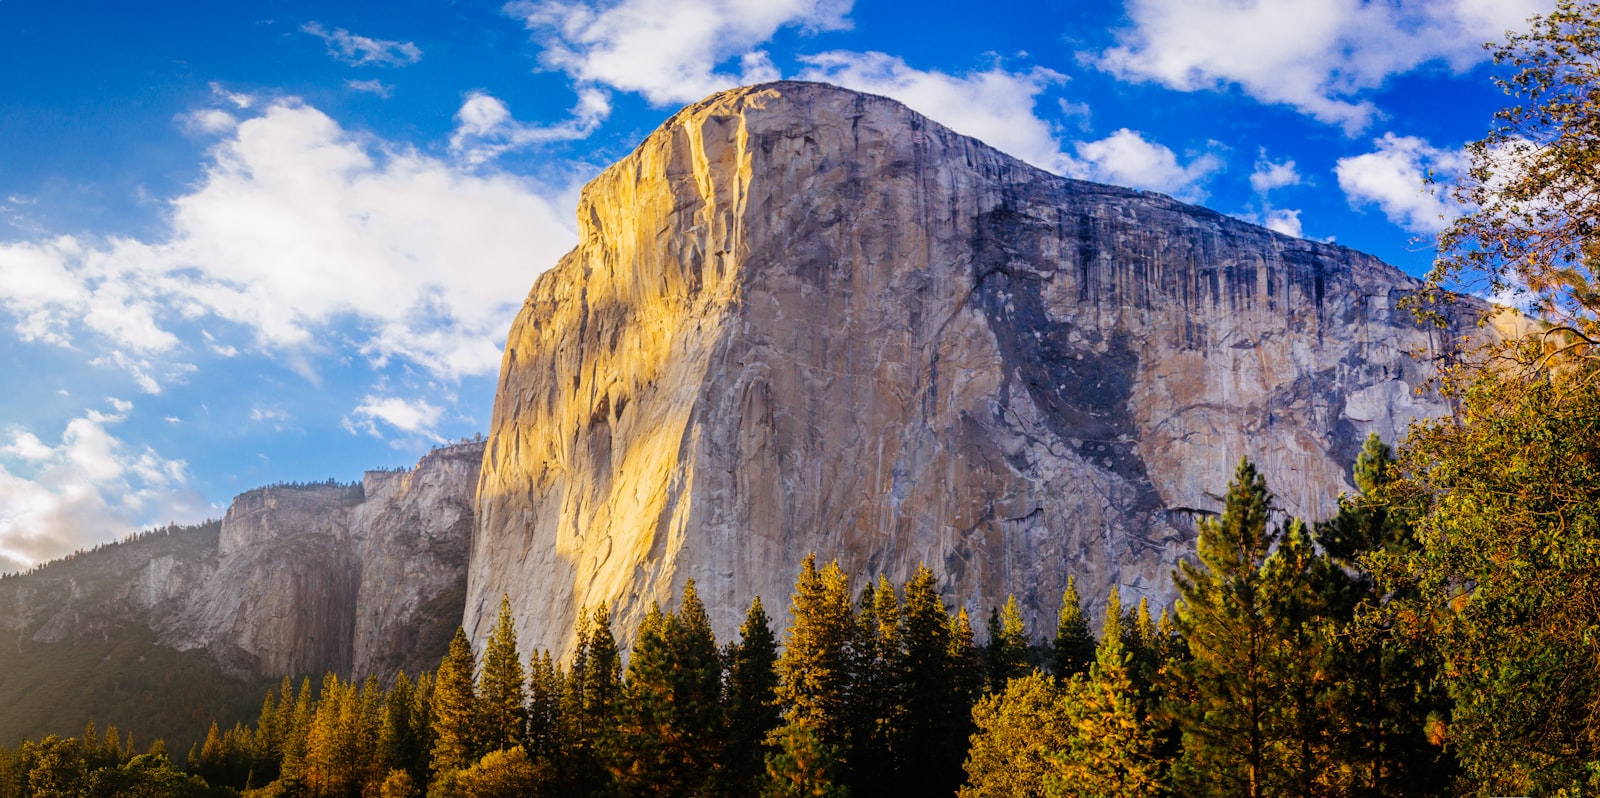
(485, 127)
(1269, 175)
(86, 488)
(363, 51)
(415, 416)
(1283, 220)
(995, 106)
(999, 107)
(668, 50)
(1392, 177)
(1126, 158)
(298, 227)
(1316, 56)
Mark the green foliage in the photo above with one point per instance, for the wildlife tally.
(1110, 749)
(1019, 733)
(545, 686)
(146, 776)
(1006, 654)
(1506, 504)
(752, 711)
(455, 707)
(1235, 705)
(670, 713)
(802, 766)
(1532, 194)
(815, 669)
(1074, 645)
(1386, 674)
(935, 722)
(504, 773)
(501, 707)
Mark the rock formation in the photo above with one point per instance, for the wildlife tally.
(355, 579)
(804, 319)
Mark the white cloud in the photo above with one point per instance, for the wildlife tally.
(373, 86)
(1317, 56)
(668, 50)
(298, 226)
(1126, 158)
(999, 108)
(362, 51)
(996, 106)
(236, 99)
(1392, 177)
(1269, 175)
(485, 127)
(1283, 220)
(89, 488)
(416, 416)
(209, 121)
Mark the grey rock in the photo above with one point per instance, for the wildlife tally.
(802, 319)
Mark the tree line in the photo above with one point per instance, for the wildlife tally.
(1279, 674)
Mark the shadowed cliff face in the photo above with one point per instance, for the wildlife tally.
(804, 319)
(354, 579)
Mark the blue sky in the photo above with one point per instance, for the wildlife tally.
(275, 240)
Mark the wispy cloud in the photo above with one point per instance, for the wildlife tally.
(413, 416)
(374, 86)
(668, 51)
(485, 127)
(1317, 56)
(364, 51)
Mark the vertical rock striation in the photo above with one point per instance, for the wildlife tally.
(805, 319)
(356, 579)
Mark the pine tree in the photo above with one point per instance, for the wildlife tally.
(876, 706)
(544, 707)
(670, 712)
(696, 688)
(1074, 646)
(1386, 681)
(815, 669)
(966, 659)
(1111, 750)
(502, 711)
(931, 740)
(1006, 654)
(1239, 684)
(454, 708)
(588, 707)
(296, 726)
(751, 707)
(400, 742)
(210, 764)
(638, 753)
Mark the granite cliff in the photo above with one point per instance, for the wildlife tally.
(805, 319)
(356, 579)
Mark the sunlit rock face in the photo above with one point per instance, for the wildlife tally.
(802, 319)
